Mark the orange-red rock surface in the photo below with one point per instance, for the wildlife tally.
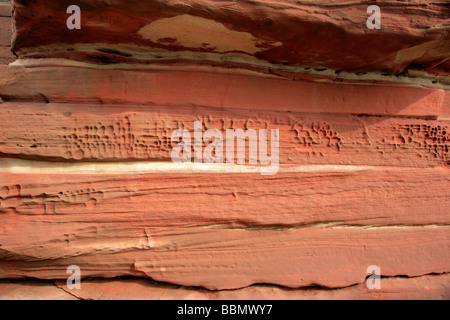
(60, 132)
(424, 287)
(215, 89)
(86, 176)
(328, 34)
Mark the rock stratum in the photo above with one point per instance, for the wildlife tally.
(87, 179)
(317, 33)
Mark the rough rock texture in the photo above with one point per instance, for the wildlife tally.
(86, 176)
(114, 133)
(6, 55)
(330, 34)
(425, 287)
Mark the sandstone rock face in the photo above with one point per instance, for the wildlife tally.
(425, 287)
(327, 34)
(86, 171)
(6, 55)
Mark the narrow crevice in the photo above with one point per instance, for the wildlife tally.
(66, 291)
(321, 224)
(403, 276)
(166, 285)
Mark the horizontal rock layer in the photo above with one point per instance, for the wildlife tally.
(169, 227)
(93, 132)
(229, 90)
(424, 287)
(194, 256)
(378, 196)
(309, 33)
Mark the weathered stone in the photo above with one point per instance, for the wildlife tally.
(200, 88)
(68, 132)
(315, 33)
(87, 179)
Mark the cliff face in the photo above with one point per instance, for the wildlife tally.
(6, 55)
(325, 34)
(86, 149)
